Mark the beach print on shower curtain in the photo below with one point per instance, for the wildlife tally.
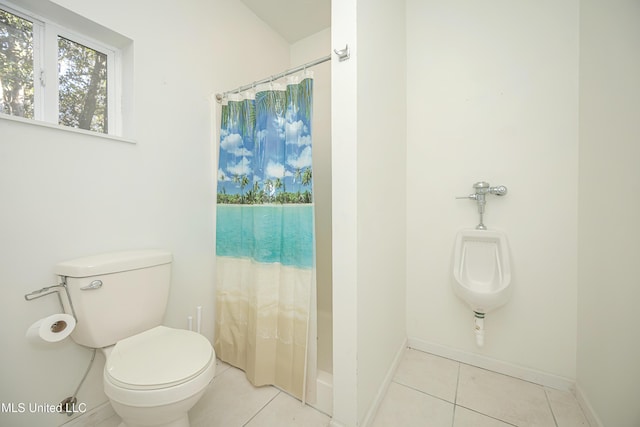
(265, 234)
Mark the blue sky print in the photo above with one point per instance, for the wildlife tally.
(265, 148)
(265, 206)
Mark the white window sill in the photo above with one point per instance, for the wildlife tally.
(32, 122)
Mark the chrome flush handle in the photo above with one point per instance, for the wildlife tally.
(96, 284)
(483, 188)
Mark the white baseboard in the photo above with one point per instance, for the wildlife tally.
(382, 391)
(587, 409)
(527, 374)
(92, 417)
(324, 393)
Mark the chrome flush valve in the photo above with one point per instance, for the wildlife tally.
(481, 189)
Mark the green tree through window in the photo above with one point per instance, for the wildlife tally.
(78, 73)
(82, 89)
(16, 66)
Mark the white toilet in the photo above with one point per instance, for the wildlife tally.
(482, 269)
(153, 374)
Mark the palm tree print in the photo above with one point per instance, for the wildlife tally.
(266, 142)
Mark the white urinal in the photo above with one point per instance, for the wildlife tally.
(482, 269)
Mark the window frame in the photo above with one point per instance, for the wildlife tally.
(46, 77)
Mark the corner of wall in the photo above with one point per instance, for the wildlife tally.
(588, 410)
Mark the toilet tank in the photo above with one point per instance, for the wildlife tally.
(116, 295)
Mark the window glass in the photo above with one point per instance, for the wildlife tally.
(82, 86)
(16, 65)
(65, 75)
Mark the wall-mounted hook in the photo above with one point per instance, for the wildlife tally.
(343, 54)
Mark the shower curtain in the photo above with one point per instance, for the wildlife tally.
(265, 290)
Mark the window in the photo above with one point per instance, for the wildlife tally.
(82, 86)
(16, 65)
(53, 74)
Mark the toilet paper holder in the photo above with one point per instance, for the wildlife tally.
(48, 290)
(42, 292)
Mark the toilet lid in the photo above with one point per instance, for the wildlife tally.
(158, 358)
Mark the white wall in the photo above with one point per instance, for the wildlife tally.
(306, 50)
(66, 195)
(344, 214)
(381, 196)
(368, 163)
(608, 346)
(492, 95)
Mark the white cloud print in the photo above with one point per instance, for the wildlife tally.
(294, 130)
(304, 140)
(274, 170)
(261, 135)
(232, 143)
(243, 167)
(302, 161)
(280, 126)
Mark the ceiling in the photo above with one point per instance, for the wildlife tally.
(293, 19)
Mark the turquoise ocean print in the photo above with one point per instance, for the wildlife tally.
(257, 232)
(265, 186)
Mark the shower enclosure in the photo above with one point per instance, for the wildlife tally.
(303, 52)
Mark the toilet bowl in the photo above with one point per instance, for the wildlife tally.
(481, 268)
(153, 374)
(155, 377)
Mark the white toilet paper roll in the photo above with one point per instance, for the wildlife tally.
(53, 328)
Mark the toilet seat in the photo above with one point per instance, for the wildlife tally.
(158, 366)
(158, 358)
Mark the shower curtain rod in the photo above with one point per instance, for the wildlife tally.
(220, 96)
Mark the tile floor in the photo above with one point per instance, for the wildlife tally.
(427, 390)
